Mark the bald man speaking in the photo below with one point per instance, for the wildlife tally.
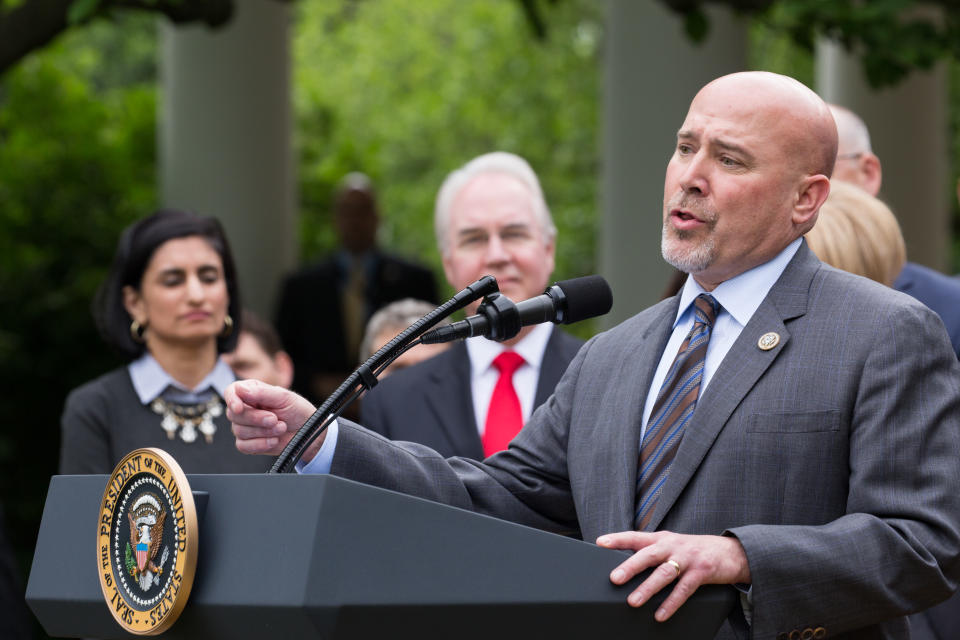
(779, 425)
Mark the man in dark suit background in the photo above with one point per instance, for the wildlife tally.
(857, 164)
(801, 440)
(323, 308)
(490, 218)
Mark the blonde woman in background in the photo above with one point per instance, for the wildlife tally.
(858, 233)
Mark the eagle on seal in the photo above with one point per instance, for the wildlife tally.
(146, 532)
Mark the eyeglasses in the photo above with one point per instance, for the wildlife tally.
(849, 156)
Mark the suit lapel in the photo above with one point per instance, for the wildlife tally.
(552, 368)
(636, 368)
(743, 365)
(451, 401)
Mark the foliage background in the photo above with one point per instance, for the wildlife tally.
(77, 163)
(403, 91)
(408, 91)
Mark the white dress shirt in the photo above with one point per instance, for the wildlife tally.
(739, 298)
(484, 376)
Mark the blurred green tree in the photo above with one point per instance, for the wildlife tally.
(29, 25)
(77, 131)
(891, 37)
(407, 92)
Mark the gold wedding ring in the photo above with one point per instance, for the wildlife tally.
(675, 565)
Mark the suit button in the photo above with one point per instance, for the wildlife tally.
(807, 634)
(819, 633)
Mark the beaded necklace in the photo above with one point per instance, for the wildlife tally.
(188, 419)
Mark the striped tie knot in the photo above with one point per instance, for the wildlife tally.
(705, 308)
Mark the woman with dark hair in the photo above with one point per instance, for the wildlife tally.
(171, 305)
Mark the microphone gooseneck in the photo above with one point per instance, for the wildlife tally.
(365, 376)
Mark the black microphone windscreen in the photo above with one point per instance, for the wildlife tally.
(587, 297)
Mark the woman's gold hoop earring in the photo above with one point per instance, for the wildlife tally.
(136, 332)
(227, 326)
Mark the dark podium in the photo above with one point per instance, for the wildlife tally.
(288, 556)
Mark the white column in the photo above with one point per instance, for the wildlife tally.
(651, 73)
(224, 139)
(909, 133)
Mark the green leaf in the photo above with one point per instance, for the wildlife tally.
(696, 25)
(6, 5)
(82, 10)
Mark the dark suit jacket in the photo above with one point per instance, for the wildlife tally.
(309, 319)
(431, 403)
(939, 292)
(832, 457)
(941, 622)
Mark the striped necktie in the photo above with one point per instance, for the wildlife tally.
(672, 410)
(353, 307)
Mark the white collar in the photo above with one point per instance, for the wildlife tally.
(482, 352)
(741, 295)
(150, 380)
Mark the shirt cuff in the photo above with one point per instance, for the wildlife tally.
(322, 462)
(746, 601)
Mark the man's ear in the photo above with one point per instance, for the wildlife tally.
(551, 252)
(811, 195)
(447, 263)
(871, 173)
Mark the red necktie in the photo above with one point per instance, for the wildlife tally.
(504, 416)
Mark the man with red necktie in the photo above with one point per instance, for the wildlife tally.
(491, 218)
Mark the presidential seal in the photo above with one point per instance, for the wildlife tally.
(147, 542)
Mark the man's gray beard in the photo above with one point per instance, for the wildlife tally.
(689, 261)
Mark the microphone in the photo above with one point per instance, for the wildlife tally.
(498, 318)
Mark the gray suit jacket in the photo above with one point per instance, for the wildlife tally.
(832, 457)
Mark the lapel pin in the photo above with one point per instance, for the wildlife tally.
(768, 341)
